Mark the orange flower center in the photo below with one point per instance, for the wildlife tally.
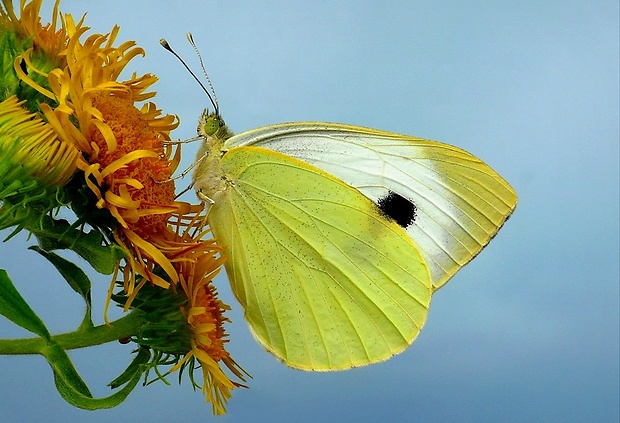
(208, 325)
(144, 178)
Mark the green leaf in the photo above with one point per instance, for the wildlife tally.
(75, 277)
(73, 389)
(59, 234)
(68, 381)
(16, 309)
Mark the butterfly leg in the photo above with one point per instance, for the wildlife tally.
(204, 198)
(208, 202)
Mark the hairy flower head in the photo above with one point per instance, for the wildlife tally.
(104, 139)
(185, 325)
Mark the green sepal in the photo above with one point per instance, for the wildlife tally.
(16, 309)
(23, 200)
(137, 365)
(165, 328)
(75, 277)
(11, 47)
(9, 82)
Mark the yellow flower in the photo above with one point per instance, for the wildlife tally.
(72, 124)
(47, 39)
(184, 325)
(29, 142)
(34, 166)
(34, 163)
(123, 157)
(205, 317)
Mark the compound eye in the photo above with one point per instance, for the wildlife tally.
(211, 126)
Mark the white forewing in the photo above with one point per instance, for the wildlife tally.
(460, 201)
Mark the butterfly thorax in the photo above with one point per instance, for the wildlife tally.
(209, 179)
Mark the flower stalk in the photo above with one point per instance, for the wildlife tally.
(123, 328)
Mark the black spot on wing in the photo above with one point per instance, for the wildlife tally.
(398, 208)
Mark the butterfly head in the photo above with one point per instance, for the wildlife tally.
(211, 125)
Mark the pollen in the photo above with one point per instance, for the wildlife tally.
(144, 181)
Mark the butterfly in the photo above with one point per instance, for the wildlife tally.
(336, 236)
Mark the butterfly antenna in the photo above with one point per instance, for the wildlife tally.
(204, 72)
(165, 45)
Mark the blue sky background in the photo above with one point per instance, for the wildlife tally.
(528, 332)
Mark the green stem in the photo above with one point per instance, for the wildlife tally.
(124, 327)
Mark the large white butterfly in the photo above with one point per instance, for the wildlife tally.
(336, 236)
